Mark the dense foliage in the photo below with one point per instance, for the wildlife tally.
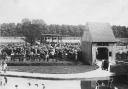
(12, 29)
(33, 29)
(120, 31)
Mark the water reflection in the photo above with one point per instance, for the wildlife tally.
(117, 82)
(100, 84)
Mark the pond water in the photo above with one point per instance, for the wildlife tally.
(117, 82)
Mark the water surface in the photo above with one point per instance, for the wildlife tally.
(116, 82)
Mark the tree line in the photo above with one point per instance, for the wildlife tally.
(20, 29)
(32, 29)
(120, 31)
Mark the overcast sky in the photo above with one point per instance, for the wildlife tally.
(65, 11)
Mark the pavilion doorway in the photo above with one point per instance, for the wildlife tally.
(102, 53)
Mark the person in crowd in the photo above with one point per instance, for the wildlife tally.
(105, 64)
(16, 86)
(43, 86)
(52, 52)
(12, 55)
(1, 81)
(4, 55)
(5, 80)
(47, 56)
(32, 56)
(36, 85)
(76, 56)
(1, 66)
(29, 84)
(102, 66)
(4, 67)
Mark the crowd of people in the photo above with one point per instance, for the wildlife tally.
(122, 56)
(42, 52)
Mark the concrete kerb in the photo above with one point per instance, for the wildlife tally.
(98, 73)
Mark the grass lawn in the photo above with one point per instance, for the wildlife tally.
(53, 69)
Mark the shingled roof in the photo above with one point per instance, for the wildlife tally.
(100, 32)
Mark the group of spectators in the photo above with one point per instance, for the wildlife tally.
(122, 56)
(42, 52)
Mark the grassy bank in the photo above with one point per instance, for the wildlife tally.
(53, 69)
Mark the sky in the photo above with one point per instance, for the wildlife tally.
(72, 12)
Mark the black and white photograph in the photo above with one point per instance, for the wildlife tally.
(63, 44)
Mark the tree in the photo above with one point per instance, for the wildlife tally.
(26, 21)
(32, 32)
(8, 29)
(38, 21)
(19, 30)
(120, 31)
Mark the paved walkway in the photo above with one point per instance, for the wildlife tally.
(98, 73)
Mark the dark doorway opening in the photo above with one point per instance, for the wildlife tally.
(102, 53)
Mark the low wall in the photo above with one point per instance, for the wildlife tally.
(120, 69)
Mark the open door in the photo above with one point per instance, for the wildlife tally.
(102, 53)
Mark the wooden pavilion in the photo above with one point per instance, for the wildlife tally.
(98, 43)
(50, 38)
